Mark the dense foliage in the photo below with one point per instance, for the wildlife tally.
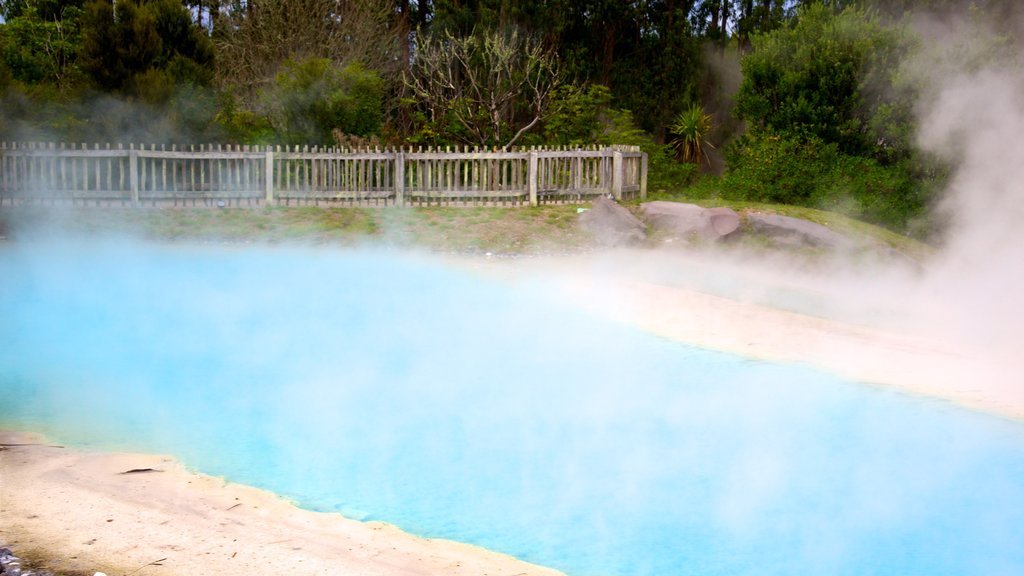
(823, 115)
(829, 121)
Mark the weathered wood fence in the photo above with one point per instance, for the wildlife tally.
(42, 173)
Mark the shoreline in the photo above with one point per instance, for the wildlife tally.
(920, 362)
(122, 513)
(86, 514)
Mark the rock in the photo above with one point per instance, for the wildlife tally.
(690, 221)
(10, 565)
(724, 220)
(612, 225)
(788, 230)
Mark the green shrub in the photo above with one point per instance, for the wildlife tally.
(663, 170)
(575, 114)
(692, 127)
(313, 97)
(781, 169)
(776, 169)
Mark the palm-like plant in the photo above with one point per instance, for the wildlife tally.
(692, 127)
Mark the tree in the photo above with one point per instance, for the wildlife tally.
(826, 76)
(576, 114)
(711, 19)
(645, 52)
(11, 9)
(494, 86)
(692, 128)
(143, 47)
(311, 98)
(829, 119)
(39, 43)
(757, 16)
(259, 37)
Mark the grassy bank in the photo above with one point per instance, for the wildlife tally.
(540, 230)
(496, 230)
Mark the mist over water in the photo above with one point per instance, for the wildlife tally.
(393, 387)
(388, 386)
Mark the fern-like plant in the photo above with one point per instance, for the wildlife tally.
(692, 128)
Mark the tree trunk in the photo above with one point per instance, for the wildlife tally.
(714, 22)
(747, 24)
(404, 29)
(608, 53)
(214, 12)
(724, 39)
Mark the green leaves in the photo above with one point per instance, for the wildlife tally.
(830, 119)
(692, 128)
(807, 171)
(311, 98)
(37, 50)
(128, 47)
(824, 76)
(574, 114)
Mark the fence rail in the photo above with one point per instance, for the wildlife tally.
(242, 175)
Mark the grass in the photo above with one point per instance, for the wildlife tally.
(853, 228)
(479, 229)
(521, 230)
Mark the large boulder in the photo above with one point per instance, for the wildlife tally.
(794, 231)
(689, 221)
(612, 225)
(724, 220)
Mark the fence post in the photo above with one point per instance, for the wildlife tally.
(531, 178)
(617, 175)
(133, 173)
(399, 178)
(643, 176)
(268, 175)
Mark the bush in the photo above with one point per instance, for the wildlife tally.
(575, 113)
(774, 169)
(781, 169)
(831, 76)
(313, 97)
(663, 170)
(582, 116)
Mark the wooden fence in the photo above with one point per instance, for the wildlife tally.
(44, 173)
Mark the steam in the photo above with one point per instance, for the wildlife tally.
(187, 116)
(397, 388)
(972, 116)
(977, 120)
(596, 404)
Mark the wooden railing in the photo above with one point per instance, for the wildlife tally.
(242, 175)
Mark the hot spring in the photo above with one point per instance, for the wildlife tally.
(391, 387)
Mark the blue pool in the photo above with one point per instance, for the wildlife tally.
(396, 388)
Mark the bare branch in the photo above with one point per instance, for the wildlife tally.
(486, 81)
(260, 36)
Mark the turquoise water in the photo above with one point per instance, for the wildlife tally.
(390, 387)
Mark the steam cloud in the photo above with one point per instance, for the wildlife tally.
(969, 293)
(973, 117)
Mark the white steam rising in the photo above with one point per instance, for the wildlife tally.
(977, 121)
(973, 117)
(759, 436)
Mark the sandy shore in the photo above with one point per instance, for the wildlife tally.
(83, 510)
(915, 355)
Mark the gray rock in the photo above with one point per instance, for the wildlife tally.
(794, 231)
(689, 221)
(724, 220)
(612, 225)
